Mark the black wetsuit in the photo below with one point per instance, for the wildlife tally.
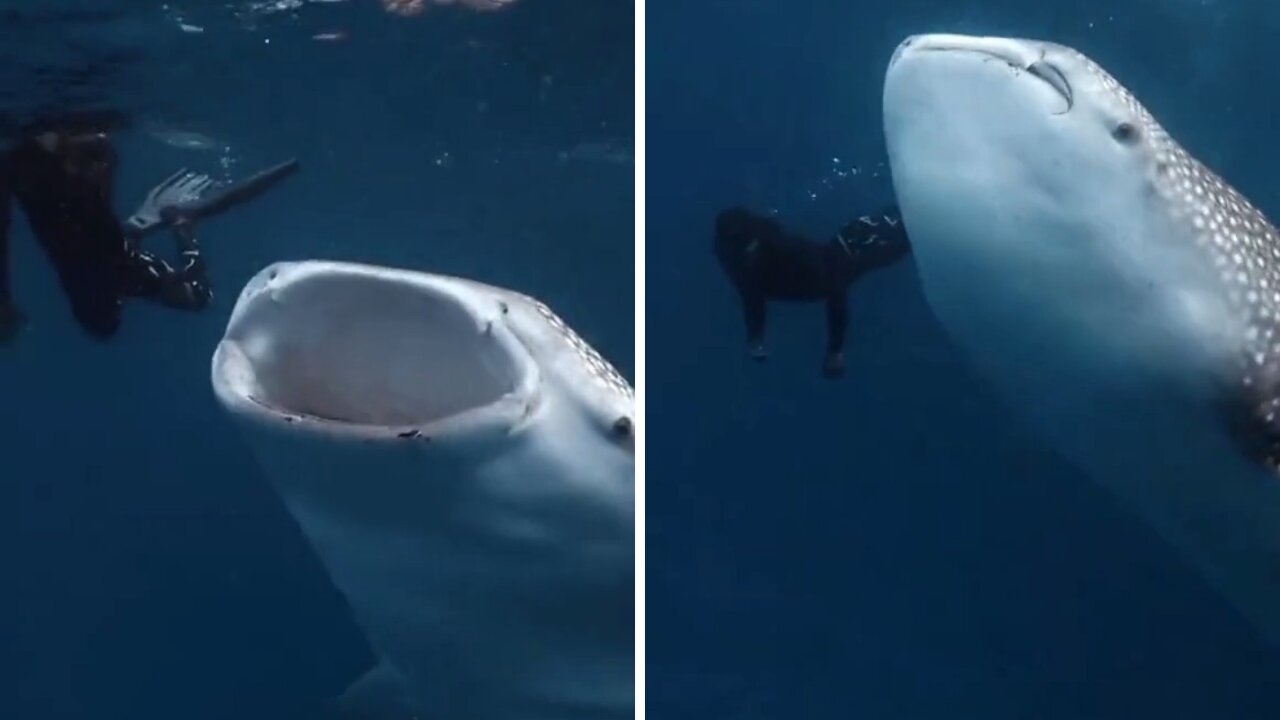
(97, 265)
(765, 263)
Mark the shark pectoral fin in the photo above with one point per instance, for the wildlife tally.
(377, 695)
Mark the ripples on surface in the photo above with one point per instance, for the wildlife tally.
(182, 73)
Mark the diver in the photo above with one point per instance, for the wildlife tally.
(764, 263)
(63, 178)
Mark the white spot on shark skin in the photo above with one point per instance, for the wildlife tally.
(462, 463)
(1118, 306)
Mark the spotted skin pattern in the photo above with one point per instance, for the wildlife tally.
(600, 368)
(1242, 245)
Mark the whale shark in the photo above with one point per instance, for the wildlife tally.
(462, 463)
(1120, 296)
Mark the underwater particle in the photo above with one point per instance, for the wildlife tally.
(487, 4)
(404, 8)
(269, 8)
(408, 8)
(182, 139)
(613, 152)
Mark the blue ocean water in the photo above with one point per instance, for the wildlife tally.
(149, 570)
(892, 545)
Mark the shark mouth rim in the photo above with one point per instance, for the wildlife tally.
(374, 352)
(1040, 68)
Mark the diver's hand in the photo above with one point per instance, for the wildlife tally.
(11, 322)
(181, 187)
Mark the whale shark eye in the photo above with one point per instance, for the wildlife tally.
(1125, 133)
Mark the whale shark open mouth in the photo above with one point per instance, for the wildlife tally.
(355, 347)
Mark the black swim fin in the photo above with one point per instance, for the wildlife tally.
(219, 201)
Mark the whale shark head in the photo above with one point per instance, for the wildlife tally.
(1054, 219)
(370, 351)
(1118, 294)
(462, 462)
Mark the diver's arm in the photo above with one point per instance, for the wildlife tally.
(148, 276)
(188, 288)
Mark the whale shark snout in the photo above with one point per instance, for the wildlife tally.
(1032, 59)
(1015, 52)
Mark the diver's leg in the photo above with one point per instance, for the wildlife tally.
(91, 292)
(739, 257)
(837, 323)
(97, 313)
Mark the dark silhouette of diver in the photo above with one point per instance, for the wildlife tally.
(765, 263)
(63, 177)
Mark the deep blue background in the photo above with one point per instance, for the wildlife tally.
(148, 569)
(891, 545)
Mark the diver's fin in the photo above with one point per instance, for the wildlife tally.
(219, 201)
(377, 695)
